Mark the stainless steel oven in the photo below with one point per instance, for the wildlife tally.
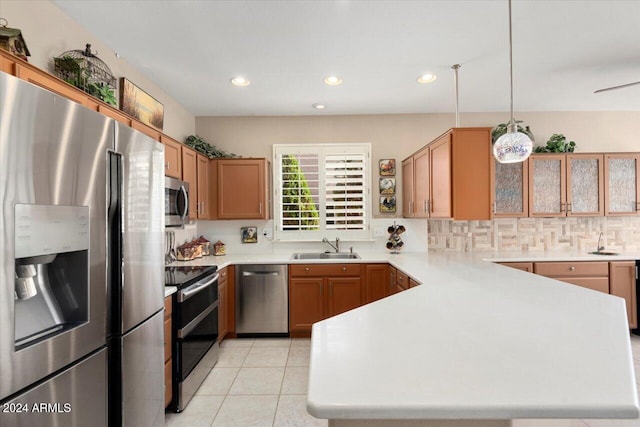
(176, 202)
(195, 329)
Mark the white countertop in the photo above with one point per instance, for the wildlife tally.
(476, 341)
(170, 290)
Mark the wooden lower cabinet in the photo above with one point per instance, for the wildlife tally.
(223, 298)
(168, 377)
(588, 274)
(319, 291)
(376, 282)
(524, 266)
(393, 274)
(622, 283)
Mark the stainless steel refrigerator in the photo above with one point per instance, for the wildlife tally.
(74, 235)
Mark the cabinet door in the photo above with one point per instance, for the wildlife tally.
(585, 185)
(242, 189)
(190, 176)
(622, 184)
(408, 195)
(547, 185)
(7, 63)
(622, 283)
(203, 186)
(510, 189)
(51, 83)
(391, 284)
(305, 303)
(344, 294)
(172, 157)
(114, 114)
(376, 282)
(422, 184)
(440, 165)
(222, 308)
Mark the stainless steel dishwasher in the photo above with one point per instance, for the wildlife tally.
(262, 299)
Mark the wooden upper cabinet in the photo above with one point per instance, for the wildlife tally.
(450, 177)
(203, 186)
(190, 176)
(51, 83)
(547, 181)
(147, 130)
(172, 157)
(243, 189)
(622, 184)
(622, 283)
(7, 62)
(510, 192)
(408, 191)
(566, 185)
(440, 166)
(585, 185)
(115, 114)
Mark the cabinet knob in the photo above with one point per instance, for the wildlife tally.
(572, 268)
(306, 269)
(344, 268)
(166, 165)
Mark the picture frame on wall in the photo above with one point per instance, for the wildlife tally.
(387, 186)
(139, 104)
(387, 204)
(249, 234)
(387, 167)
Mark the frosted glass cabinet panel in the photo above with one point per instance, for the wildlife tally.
(585, 185)
(622, 184)
(510, 189)
(547, 185)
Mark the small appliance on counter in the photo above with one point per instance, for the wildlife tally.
(195, 329)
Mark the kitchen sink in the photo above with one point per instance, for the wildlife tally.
(326, 255)
(603, 253)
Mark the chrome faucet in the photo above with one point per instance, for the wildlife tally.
(337, 245)
(600, 248)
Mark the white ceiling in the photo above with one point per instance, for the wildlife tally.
(563, 51)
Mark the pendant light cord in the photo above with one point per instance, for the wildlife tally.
(512, 122)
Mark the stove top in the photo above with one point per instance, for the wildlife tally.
(184, 276)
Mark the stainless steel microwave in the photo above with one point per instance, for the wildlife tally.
(176, 202)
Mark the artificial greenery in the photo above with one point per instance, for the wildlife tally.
(501, 129)
(556, 144)
(211, 151)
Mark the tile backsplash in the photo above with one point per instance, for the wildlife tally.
(535, 234)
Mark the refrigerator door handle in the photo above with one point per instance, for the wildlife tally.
(190, 291)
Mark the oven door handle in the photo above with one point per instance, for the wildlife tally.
(190, 291)
(183, 332)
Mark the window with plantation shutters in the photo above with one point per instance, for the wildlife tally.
(322, 190)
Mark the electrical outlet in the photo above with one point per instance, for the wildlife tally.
(378, 232)
(267, 232)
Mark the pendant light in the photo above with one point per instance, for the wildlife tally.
(513, 146)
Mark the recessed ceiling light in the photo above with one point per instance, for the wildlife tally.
(333, 80)
(318, 106)
(427, 78)
(240, 81)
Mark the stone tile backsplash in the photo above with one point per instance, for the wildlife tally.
(535, 234)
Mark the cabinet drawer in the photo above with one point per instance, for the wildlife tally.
(167, 339)
(596, 283)
(571, 269)
(316, 270)
(167, 307)
(402, 280)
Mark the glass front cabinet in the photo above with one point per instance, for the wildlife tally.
(622, 184)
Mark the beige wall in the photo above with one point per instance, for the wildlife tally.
(399, 135)
(49, 32)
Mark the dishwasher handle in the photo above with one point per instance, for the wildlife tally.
(260, 273)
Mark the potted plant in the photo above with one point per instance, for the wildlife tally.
(556, 144)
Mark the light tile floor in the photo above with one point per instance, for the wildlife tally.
(263, 382)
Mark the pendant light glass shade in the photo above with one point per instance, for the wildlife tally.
(513, 146)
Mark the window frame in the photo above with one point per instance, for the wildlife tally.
(322, 150)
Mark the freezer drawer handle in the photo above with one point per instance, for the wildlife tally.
(183, 332)
(195, 288)
(260, 273)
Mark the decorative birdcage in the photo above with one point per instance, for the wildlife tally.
(84, 70)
